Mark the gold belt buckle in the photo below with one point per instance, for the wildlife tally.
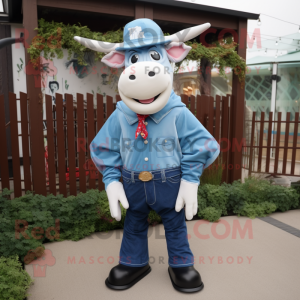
(145, 176)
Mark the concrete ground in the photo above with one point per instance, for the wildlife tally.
(261, 262)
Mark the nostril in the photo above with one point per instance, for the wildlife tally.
(151, 73)
(131, 77)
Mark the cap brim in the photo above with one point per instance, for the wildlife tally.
(141, 45)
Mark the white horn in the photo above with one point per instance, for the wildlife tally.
(188, 34)
(97, 45)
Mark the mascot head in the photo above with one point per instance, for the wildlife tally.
(147, 81)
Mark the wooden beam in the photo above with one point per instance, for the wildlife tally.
(145, 10)
(139, 10)
(237, 106)
(188, 16)
(30, 22)
(113, 7)
(149, 11)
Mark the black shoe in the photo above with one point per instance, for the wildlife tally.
(186, 279)
(123, 277)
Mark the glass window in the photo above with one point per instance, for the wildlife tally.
(1, 7)
(288, 90)
(192, 80)
(288, 100)
(258, 89)
(219, 85)
(186, 80)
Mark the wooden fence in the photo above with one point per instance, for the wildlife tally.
(274, 145)
(69, 129)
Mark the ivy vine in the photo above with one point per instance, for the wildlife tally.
(53, 37)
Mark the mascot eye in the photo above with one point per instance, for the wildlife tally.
(154, 55)
(134, 58)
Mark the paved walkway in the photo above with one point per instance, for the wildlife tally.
(263, 262)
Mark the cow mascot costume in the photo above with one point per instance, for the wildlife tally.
(157, 146)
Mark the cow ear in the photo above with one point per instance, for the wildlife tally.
(114, 59)
(177, 51)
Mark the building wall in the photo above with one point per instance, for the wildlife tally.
(65, 74)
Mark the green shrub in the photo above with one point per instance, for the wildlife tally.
(210, 214)
(105, 222)
(296, 186)
(258, 191)
(254, 198)
(215, 196)
(15, 243)
(284, 198)
(201, 201)
(14, 281)
(75, 217)
(78, 216)
(253, 210)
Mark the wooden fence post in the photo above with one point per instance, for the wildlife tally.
(185, 100)
(277, 142)
(286, 141)
(100, 123)
(261, 140)
(225, 138)
(51, 145)
(217, 118)
(237, 105)
(81, 144)
(192, 108)
(91, 135)
(3, 149)
(211, 115)
(15, 144)
(252, 142)
(71, 144)
(295, 143)
(61, 152)
(30, 22)
(269, 141)
(25, 141)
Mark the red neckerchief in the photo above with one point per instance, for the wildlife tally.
(141, 129)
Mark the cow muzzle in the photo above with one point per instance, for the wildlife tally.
(145, 87)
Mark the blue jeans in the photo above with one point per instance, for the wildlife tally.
(159, 194)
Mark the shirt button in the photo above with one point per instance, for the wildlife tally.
(146, 158)
(145, 141)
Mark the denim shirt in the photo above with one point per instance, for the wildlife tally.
(175, 138)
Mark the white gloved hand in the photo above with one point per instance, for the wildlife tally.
(187, 196)
(115, 193)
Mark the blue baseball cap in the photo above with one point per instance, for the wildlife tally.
(141, 33)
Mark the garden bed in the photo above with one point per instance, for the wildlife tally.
(30, 221)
